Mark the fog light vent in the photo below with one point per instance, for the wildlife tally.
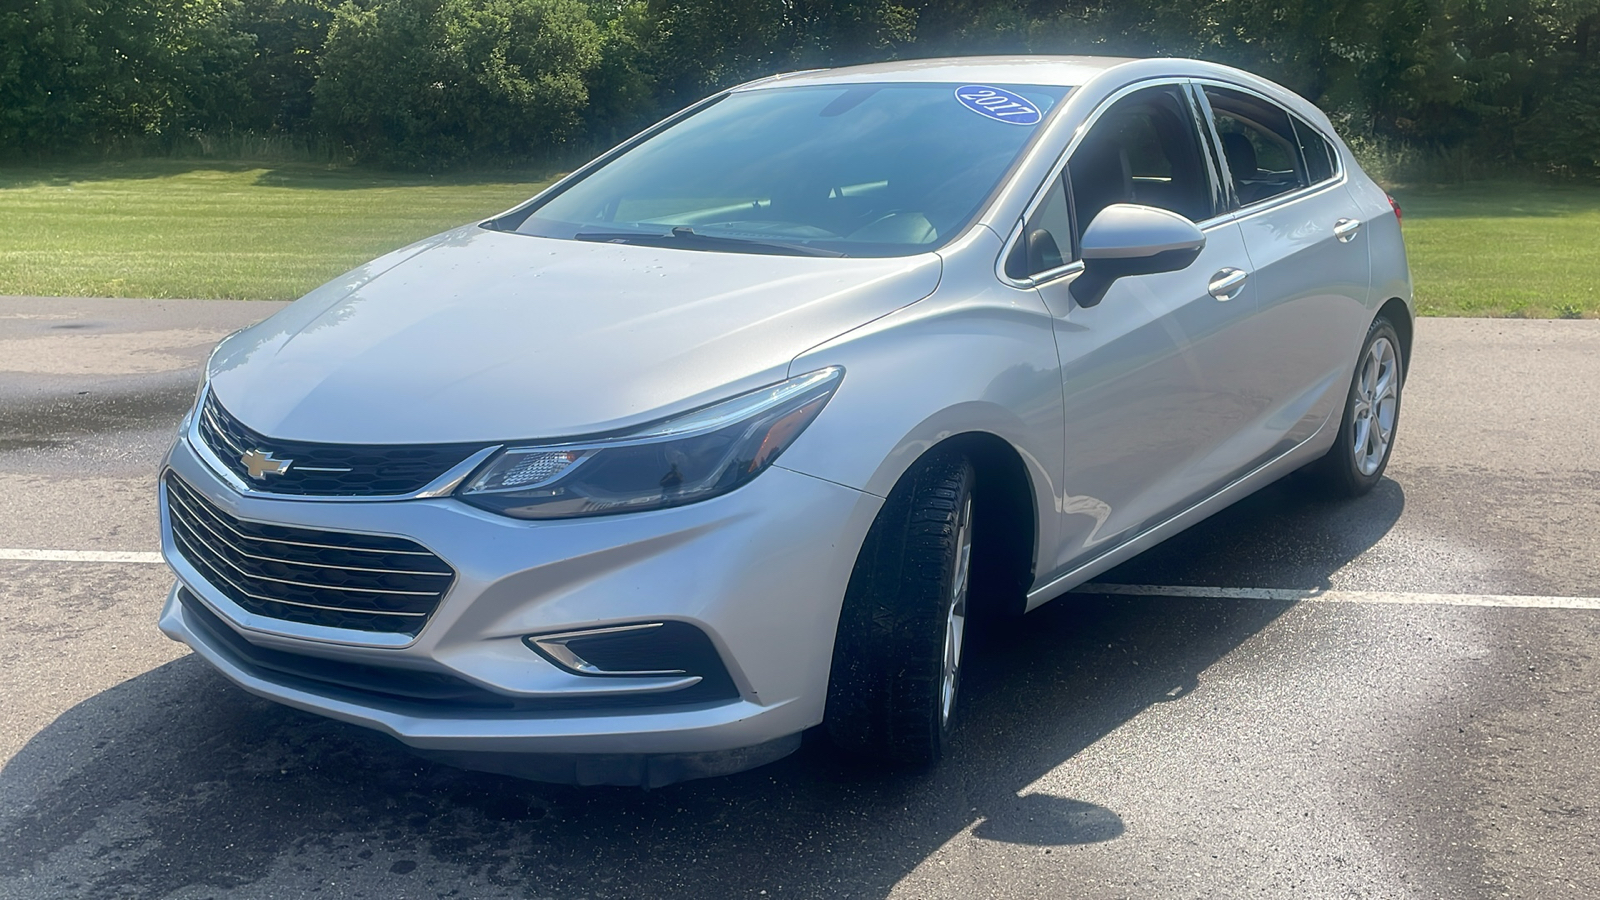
(647, 649)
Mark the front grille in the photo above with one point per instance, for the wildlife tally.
(351, 470)
(329, 578)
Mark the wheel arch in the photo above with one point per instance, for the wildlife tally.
(1005, 541)
(1399, 315)
(1006, 518)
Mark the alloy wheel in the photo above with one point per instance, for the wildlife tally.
(955, 624)
(1376, 400)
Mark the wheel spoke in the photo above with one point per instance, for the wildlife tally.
(1363, 437)
(1385, 387)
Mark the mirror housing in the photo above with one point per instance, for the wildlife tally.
(1127, 239)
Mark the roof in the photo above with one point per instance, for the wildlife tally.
(1065, 71)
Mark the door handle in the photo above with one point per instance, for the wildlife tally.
(1227, 283)
(1345, 230)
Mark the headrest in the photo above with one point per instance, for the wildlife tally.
(1099, 177)
(1241, 155)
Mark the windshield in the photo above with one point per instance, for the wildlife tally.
(832, 170)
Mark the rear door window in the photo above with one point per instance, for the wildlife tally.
(1259, 144)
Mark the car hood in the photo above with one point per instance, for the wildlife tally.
(478, 335)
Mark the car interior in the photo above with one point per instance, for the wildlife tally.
(1144, 150)
(1259, 143)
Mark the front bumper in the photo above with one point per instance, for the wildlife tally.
(762, 571)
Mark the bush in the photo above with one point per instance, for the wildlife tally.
(76, 73)
(424, 84)
(289, 36)
(1563, 134)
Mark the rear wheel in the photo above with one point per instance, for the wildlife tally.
(1355, 463)
(902, 633)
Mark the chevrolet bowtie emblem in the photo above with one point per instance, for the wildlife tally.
(259, 465)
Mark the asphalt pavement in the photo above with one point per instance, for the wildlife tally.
(1417, 732)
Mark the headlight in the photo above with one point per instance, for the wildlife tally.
(688, 458)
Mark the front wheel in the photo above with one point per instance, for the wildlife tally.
(1355, 463)
(902, 633)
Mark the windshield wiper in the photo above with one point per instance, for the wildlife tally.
(688, 238)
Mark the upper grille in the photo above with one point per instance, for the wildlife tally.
(327, 578)
(355, 470)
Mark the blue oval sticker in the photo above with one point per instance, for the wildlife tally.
(998, 104)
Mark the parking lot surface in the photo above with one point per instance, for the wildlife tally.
(1416, 730)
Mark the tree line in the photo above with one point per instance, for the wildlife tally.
(441, 83)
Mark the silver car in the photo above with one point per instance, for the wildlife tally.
(731, 432)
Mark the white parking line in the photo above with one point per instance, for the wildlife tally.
(1290, 595)
(103, 556)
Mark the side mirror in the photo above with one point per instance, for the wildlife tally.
(1127, 239)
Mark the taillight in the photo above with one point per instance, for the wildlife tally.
(1394, 205)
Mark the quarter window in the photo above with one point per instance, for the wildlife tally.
(1316, 150)
(1259, 143)
(1046, 241)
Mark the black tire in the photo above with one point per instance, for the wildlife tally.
(1343, 472)
(886, 693)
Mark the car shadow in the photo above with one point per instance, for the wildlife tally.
(1278, 537)
(176, 779)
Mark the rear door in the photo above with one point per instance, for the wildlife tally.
(1150, 375)
(1308, 245)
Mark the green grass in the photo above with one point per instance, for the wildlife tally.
(189, 228)
(1504, 249)
(177, 228)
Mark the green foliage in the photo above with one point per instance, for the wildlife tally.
(621, 89)
(1564, 131)
(428, 83)
(694, 47)
(282, 69)
(1439, 85)
(77, 71)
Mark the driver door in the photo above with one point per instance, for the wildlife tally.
(1151, 376)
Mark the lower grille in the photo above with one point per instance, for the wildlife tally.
(328, 578)
(424, 693)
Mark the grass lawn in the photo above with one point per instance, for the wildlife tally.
(177, 228)
(181, 228)
(1504, 249)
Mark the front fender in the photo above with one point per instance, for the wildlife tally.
(975, 356)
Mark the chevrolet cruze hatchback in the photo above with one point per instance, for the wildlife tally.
(731, 432)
